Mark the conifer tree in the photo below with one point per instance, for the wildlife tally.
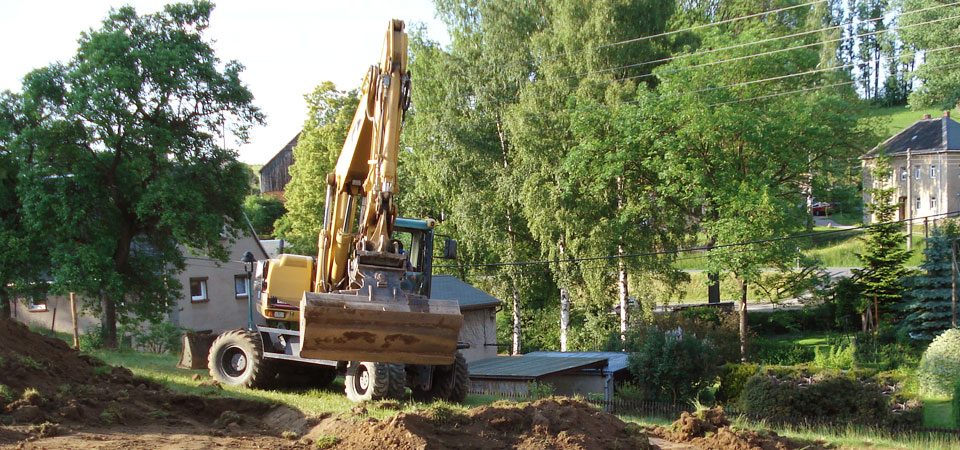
(884, 253)
(928, 296)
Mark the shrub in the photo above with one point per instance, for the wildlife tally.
(92, 338)
(156, 337)
(673, 364)
(835, 356)
(733, 378)
(720, 329)
(829, 397)
(629, 392)
(784, 321)
(955, 404)
(940, 366)
(784, 353)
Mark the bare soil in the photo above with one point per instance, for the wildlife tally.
(711, 430)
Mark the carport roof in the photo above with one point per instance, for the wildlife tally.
(616, 361)
(531, 367)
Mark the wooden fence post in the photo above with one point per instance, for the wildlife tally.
(73, 315)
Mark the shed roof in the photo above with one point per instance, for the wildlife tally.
(616, 361)
(449, 287)
(531, 367)
(937, 134)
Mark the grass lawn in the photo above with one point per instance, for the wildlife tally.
(937, 413)
(894, 119)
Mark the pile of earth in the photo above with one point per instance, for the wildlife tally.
(47, 388)
(556, 423)
(709, 429)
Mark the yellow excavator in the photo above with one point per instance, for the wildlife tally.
(363, 306)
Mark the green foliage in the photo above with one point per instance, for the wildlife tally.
(671, 365)
(733, 378)
(928, 296)
(121, 159)
(720, 330)
(884, 253)
(92, 338)
(325, 441)
(6, 394)
(835, 356)
(329, 114)
(29, 362)
(940, 366)
(768, 351)
(937, 35)
(157, 337)
(826, 397)
(539, 390)
(263, 211)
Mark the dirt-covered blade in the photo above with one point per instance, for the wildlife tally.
(407, 329)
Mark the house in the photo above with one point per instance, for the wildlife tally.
(213, 295)
(479, 311)
(275, 174)
(925, 162)
(568, 373)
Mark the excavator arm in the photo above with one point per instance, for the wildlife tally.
(367, 170)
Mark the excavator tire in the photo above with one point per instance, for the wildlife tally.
(236, 358)
(398, 381)
(450, 383)
(366, 381)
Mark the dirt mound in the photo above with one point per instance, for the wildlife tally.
(710, 429)
(556, 423)
(47, 388)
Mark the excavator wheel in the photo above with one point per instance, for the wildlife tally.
(398, 381)
(372, 380)
(450, 383)
(236, 358)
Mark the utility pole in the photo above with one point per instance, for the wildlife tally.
(910, 202)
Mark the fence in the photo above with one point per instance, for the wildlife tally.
(672, 411)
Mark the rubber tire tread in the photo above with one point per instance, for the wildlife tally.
(379, 387)
(258, 374)
(461, 380)
(398, 381)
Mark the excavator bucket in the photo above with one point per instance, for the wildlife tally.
(401, 329)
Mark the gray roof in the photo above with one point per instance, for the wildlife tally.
(448, 287)
(616, 361)
(530, 367)
(933, 135)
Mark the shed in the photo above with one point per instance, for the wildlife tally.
(570, 373)
(479, 311)
(275, 174)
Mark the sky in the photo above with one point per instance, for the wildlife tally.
(288, 47)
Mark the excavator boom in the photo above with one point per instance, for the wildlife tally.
(359, 309)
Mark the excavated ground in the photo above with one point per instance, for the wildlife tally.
(54, 397)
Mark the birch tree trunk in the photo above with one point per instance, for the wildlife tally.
(515, 349)
(743, 321)
(564, 303)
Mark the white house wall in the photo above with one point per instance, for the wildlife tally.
(944, 186)
(479, 329)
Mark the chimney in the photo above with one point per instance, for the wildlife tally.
(926, 116)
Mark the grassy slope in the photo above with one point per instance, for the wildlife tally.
(897, 118)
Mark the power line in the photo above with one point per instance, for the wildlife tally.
(698, 248)
(705, 64)
(687, 55)
(663, 34)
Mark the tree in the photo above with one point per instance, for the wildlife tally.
(928, 295)
(122, 164)
(263, 211)
(883, 254)
(938, 39)
(329, 113)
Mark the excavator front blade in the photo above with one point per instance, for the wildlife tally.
(402, 328)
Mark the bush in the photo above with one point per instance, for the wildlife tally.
(940, 366)
(720, 329)
(823, 397)
(733, 378)
(783, 353)
(671, 365)
(784, 321)
(92, 338)
(157, 338)
(835, 356)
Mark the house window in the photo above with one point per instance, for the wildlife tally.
(903, 174)
(917, 208)
(933, 171)
(933, 203)
(240, 285)
(916, 172)
(198, 290)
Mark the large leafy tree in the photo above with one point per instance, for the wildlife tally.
(122, 161)
(928, 296)
(939, 40)
(329, 112)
